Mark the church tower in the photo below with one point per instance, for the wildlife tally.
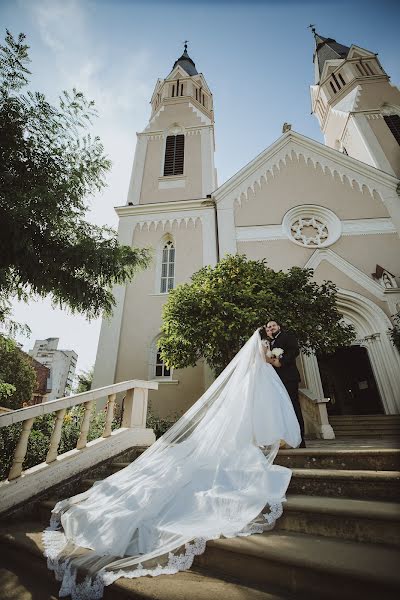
(168, 210)
(357, 107)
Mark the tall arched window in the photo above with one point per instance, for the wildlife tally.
(174, 155)
(167, 267)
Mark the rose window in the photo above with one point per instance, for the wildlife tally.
(311, 226)
(309, 231)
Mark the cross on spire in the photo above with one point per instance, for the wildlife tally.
(185, 44)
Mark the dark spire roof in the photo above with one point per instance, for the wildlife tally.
(327, 49)
(186, 63)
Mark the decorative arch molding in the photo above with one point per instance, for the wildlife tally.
(347, 268)
(294, 147)
(155, 223)
(371, 326)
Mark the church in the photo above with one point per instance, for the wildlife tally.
(333, 207)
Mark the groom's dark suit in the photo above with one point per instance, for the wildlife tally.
(288, 372)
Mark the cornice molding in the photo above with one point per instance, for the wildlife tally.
(261, 233)
(292, 145)
(347, 268)
(159, 208)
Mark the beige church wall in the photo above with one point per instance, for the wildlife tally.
(367, 251)
(175, 399)
(141, 319)
(355, 144)
(297, 184)
(179, 113)
(374, 94)
(327, 271)
(280, 254)
(387, 141)
(154, 164)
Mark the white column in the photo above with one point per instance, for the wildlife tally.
(207, 161)
(135, 184)
(374, 149)
(209, 236)
(107, 350)
(226, 231)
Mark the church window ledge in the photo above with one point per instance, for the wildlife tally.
(171, 182)
(167, 381)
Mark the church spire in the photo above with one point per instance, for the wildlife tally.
(326, 49)
(186, 62)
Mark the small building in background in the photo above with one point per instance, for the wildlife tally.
(43, 388)
(61, 364)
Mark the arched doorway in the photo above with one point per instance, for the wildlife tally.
(348, 380)
(371, 325)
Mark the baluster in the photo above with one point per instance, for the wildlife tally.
(55, 436)
(85, 425)
(109, 415)
(20, 450)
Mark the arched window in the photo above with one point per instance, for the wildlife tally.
(167, 267)
(157, 367)
(174, 155)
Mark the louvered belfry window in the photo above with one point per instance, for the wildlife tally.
(174, 155)
(167, 268)
(393, 122)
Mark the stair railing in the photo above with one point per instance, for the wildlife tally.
(58, 467)
(315, 415)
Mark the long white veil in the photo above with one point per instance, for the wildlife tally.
(205, 478)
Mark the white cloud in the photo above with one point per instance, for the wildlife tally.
(121, 88)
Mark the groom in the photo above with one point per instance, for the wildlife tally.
(286, 366)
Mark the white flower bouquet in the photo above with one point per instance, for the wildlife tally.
(275, 353)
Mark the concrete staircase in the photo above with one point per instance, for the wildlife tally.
(339, 536)
(364, 426)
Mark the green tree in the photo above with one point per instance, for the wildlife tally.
(84, 381)
(214, 315)
(49, 165)
(17, 376)
(395, 331)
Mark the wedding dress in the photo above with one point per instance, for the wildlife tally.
(204, 478)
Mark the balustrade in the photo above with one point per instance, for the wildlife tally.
(133, 416)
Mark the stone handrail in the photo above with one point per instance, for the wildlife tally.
(21, 485)
(315, 415)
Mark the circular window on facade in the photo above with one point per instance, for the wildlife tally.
(312, 226)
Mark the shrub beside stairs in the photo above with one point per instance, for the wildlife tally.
(339, 536)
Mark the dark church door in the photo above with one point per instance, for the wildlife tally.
(347, 379)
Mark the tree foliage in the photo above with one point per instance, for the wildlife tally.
(17, 376)
(49, 165)
(84, 381)
(394, 332)
(212, 316)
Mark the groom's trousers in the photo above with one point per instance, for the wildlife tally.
(292, 388)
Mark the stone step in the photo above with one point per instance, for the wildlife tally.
(24, 540)
(342, 518)
(365, 485)
(375, 459)
(315, 566)
(378, 433)
(364, 417)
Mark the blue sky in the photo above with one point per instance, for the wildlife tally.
(255, 56)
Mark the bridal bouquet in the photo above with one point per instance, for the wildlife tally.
(275, 353)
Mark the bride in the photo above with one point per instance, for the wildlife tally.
(204, 478)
